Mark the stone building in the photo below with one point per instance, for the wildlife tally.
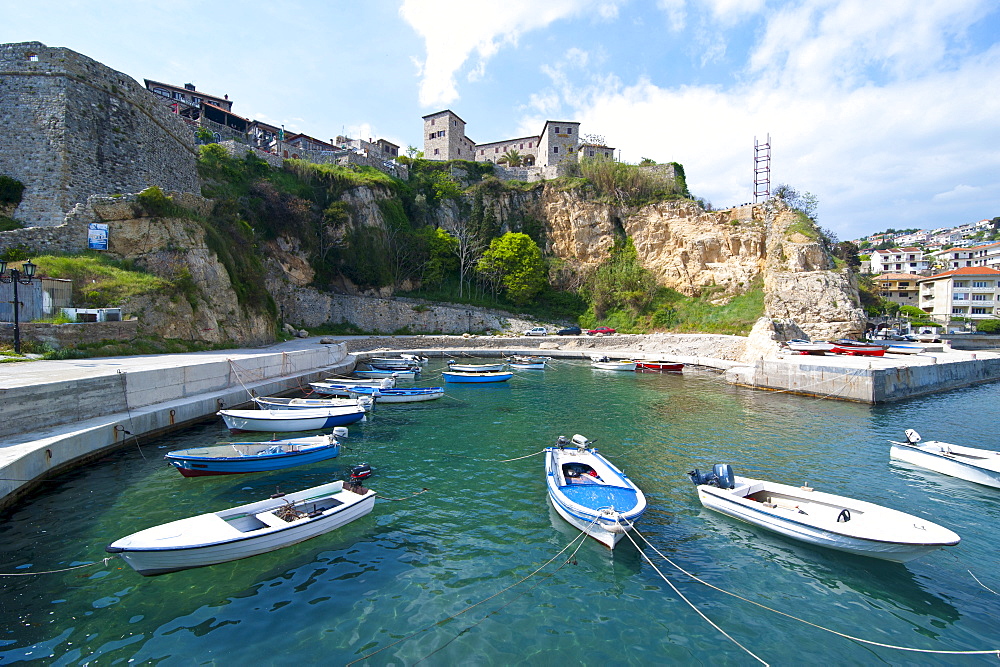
(558, 144)
(73, 127)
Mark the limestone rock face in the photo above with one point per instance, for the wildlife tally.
(175, 248)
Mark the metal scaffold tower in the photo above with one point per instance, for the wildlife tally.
(761, 169)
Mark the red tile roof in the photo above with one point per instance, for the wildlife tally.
(966, 271)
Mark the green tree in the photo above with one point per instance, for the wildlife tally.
(511, 158)
(800, 201)
(443, 251)
(621, 282)
(514, 263)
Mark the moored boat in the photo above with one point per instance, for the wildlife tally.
(285, 421)
(460, 377)
(821, 519)
(333, 386)
(244, 531)
(808, 347)
(392, 362)
(855, 348)
(589, 492)
(981, 466)
(476, 368)
(658, 365)
(377, 373)
(413, 395)
(234, 458)
(608, 364)
(527, 362)
(280, 403)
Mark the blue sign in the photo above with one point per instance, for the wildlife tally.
(97, 236)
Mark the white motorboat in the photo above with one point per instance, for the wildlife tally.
(476, 368)
(244, 531)
(589, 492)
(280, 403)
(975, 465)
(378, 373)
(335, 386)
(399, 395)
(285, 421)
(822, 519)
(800, 346)
(391, 362)
(415, 358)
(528, 362)
(608, 364)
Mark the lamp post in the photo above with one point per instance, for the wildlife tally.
(14, 277)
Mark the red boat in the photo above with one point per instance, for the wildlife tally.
(651, 365)
(854, 348)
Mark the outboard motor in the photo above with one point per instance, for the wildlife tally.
(339, 432)
(561, 442)
(360, 472)
(724, 476)
(912, 436)
(721, 476)
(580, 441)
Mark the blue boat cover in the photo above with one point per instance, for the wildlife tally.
(598, 496)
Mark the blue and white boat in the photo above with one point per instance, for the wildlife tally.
(235, 458)
(528, 362)
(981, 466)
(398, 395)
(476, 368)
(285, 421)
(339, 386)
(456, 376)
(589, 492)
(280, 403)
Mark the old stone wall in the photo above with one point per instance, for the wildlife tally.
(58, 336)
(73, 127)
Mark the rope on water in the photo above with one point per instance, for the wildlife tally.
(396, 500)
(681, 595)
(65, 569)
(982, 584)
(995, 651)
(582, 537)
(131, 424)
(519, 457)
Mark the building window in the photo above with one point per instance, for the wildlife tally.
(960, 297)
(432, 120)
(569, 130)
(482, 151)
(178, 96)
(454, 123)
(459, 151)
(196, 100)
(958, 311)
(555, 149)
(160, 91)
(591, 153)
(980, 283)
(529, 144)
(557, 130)
(980, 311)
(33, 57)
(437, 151)
(522, 147)
(496, 150)
(981, 297)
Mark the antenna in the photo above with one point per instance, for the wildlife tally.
(761, 169)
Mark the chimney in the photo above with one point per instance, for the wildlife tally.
(188, 86)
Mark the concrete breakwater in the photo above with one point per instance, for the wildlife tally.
(55, 415)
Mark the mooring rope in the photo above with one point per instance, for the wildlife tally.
(121, 374)
(982, 584)
(582, 537)
(396, 500)
(237, 372)
(995, 651)
(681, 595)
(65, 569)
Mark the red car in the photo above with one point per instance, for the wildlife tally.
(600, 330)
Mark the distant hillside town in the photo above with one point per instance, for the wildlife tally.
(952, 274)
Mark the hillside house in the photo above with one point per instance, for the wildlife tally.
(969, 293)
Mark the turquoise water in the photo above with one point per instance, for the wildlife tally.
(392, 578)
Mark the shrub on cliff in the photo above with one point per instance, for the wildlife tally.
(11, 190)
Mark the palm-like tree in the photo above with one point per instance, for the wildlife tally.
(511, 158)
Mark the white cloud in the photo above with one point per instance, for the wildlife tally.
(455, 31)
(676, 16)
(927, 127)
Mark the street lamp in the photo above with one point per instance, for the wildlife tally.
(14, 277)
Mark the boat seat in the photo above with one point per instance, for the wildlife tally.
(271, 520)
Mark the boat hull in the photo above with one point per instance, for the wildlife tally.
(202, 466)
(277, 403)
(376, 374)
(475, 378)
(141, 553)
(613, 365)
(935, 456)
(802, 515)
(659, 366)
(477, 368)
(290, 421)
(400, 395)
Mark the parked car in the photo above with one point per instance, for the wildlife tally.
(569, 331)
(601, 330)
(537, 331)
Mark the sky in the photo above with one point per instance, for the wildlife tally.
(886, 110)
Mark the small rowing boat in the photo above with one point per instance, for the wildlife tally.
(473, 378)
(476, 368)
(608, 364)
(589, 492)
(279, 403)
(658, 365)
(527, 362)
(414, 395)
(235, 458)
(244, 531)
(333, 386)
(285, 421)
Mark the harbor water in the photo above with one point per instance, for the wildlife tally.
(479, 570)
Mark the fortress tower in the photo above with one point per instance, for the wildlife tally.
(73, 127)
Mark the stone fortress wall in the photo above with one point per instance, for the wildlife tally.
(73, 127)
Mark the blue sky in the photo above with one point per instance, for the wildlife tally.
(886, 110)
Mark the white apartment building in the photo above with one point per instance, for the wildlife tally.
(969, 292)
(981, 255)
(899, 260)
